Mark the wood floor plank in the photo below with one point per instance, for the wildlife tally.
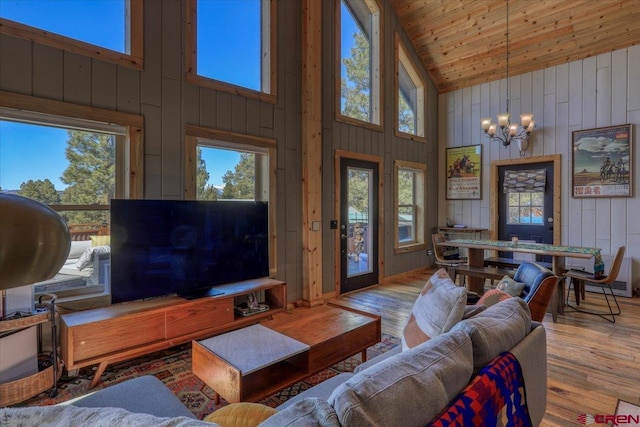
(591, 362)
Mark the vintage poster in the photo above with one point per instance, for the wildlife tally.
(602, 162)
(464, 172)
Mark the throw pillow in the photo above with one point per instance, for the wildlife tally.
(493, 296)
(243, 414)
(100, 240)
(510, 286)
(439, 306)
(86, 259)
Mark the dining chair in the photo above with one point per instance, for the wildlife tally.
(449, 264)
(577, 278)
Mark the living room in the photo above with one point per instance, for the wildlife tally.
(167, 111)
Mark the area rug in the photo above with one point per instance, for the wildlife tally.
(627, 414)
(173, 367)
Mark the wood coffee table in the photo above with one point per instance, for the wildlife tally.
(254, 362)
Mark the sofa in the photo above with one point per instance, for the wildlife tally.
(485, 366)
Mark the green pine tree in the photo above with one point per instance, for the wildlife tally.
(91, 174)
(40, 190)
(241, 182)
(204, 191)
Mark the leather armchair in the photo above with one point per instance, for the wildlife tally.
(539, 286)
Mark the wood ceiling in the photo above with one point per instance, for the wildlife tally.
(463, 42)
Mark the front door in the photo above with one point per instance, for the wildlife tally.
(526, 215)
(358, 224)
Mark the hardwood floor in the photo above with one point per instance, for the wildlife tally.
(591, 362)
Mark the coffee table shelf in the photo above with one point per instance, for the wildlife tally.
(244, 364)
(255, 362)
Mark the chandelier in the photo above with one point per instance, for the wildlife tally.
(505, 131)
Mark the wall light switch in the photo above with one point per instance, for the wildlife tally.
(315, 225)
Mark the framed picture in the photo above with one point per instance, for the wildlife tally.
(601, 163)
(464, 172)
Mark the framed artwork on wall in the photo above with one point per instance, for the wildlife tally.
(601, 164)
(464, 172)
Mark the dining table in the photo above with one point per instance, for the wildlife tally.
(558, 253)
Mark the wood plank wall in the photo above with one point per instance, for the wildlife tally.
(338, 135)
(599, 91)
(168, 103)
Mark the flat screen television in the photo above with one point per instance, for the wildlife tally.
(163, 247)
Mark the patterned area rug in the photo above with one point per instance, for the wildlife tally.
(173, 367)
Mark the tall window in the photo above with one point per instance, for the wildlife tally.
(410, 206)
(220, 165)
(232, 46)
(106, 29)
(410, 96)
(359, 59)
(74, 159)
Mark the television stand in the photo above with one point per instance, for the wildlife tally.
(107, 335)
(201, 293)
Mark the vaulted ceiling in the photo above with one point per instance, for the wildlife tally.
(463, 42)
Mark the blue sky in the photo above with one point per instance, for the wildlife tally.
(78, 19)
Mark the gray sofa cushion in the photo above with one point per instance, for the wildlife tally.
(412, 387)
(496, 329)
(145, 394)
(72, 416)
(307, 412)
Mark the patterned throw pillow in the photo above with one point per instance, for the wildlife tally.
(510, 286)
(493, 296)
(439, 306)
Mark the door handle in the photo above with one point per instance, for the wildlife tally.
(343, 236)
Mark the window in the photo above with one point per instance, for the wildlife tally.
(221, 165)
(232, 46)
(74, 159)
(358, 56)
(525, 208)
(410, 96)
(410, 208)
(106, 29)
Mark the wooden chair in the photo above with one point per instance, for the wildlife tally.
(578, 277)
(449, 264)
(539, 286)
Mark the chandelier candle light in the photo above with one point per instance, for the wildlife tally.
(509, 131)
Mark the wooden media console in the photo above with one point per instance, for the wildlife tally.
(123, 331)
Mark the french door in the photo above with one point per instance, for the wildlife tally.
(359, 180)
(526, 215)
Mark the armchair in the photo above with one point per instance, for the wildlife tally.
(539, 286)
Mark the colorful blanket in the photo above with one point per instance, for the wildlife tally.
(495, 397)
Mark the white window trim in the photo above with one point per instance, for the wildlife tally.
(130, 155)
(133, 57)
(403, 58)
(268, 51)
(376, 72)
(420, 195)
(198, 135)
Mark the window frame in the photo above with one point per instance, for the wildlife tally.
(420, 195)
(377, 43)
(402, 58)
(134, 38)
(197, 135)
(132, 151)
(520, 206)
(269, 49)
